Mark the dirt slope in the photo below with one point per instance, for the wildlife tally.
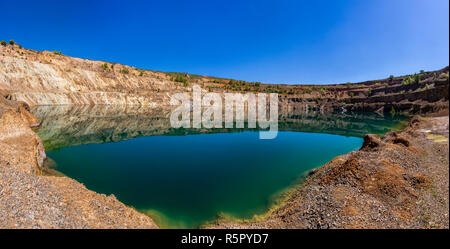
(399, 181)
(49, 78)
(29, 199)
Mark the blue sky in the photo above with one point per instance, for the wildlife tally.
(268, 41)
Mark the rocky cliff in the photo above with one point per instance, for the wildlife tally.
(397, 181)
(50, 78)
(31, 199)
(45, 78)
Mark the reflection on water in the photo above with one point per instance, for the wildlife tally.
(63, 126)
(182, 180)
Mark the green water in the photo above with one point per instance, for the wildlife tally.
(184, 178)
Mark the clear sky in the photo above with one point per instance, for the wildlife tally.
(279, 41)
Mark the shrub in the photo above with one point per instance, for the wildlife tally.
(124, 70)
(141, 73)
(417, 78)
(427, 86)
(181, 78)
(11, 42)
(105, 66)
(369, 93)
(391, 77)
(392, 111)
(322, 90)
(352, 94)
(422, 71)
(348, 84)
(386, 84)
(3, 43)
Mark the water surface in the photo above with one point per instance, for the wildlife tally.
(184, 178)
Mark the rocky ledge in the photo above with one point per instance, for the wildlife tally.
(30, 199)
(398, 181)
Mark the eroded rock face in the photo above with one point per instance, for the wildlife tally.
(45, 78)
(398, 181)
(48, 79)
(29, 199)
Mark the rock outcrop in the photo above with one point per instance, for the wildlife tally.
(30, 199)
(46, 78)
(397, 181)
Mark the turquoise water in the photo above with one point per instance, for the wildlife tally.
(183, 179)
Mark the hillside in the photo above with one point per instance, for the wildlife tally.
(398, 181)
(51, 78)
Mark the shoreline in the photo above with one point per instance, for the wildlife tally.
(367, 189)
(114, 217)
(28, 199)
(31, 199)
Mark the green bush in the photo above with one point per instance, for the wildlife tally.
(391, 77)
(124, 70)
(393, 111)
(141, 73)
(352, 94)
(417, 78)
(105, 66)
(3, 43)
(11, 42)
(181, 78)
